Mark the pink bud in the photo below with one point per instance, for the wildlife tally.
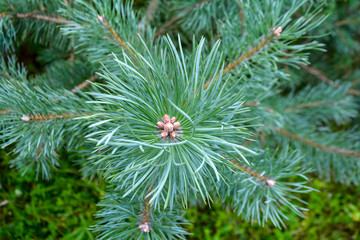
(173, 119)
(270, 183)
(277, 31)
(160, 124)
(101, 18)
(144, 227)
(176, 124)
(168, 127)
(166, 118)
(173, 134)
(25, 118)
(164, 133)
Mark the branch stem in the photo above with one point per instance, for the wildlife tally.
(247, 55)
(34, 15)
(336, 150)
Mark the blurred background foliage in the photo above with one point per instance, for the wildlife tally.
(64, 207)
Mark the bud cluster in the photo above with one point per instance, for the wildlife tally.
(169, 128)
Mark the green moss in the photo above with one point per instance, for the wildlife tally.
(334, 213)
(62, 207)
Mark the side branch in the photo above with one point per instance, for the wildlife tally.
(4, 111)
(116, 37)
(112, 32)
(145, 216)
(311, 104)
(269, 182)
(34, 15)
(84, 84)
(320, 75)
(28, 118)
(257, 48)
(248, 54)
(340, 151)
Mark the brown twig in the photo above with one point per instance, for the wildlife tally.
(320, 75)
(145, 216)
(28, 118)
(34, 15)
(251, 103)
(243, 57)
(4, 111)
(268, 181)
(84, 84)
(117, 38)
(311, 104)
(340, 151)
(151, 10)
(347, 21)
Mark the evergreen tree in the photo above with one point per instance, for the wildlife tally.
(169, 115)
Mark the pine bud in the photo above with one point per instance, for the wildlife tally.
(173, 119)
(277, 31)
(25, 118)
(168, 127)
(270, 183)
(173, 134)
(166, 118)
(144, 227)
(101, 18)
(160, 124)
(164, 133)
(176, 124)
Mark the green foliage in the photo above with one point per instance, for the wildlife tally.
(120, 219)
(64, 207)
(254, 161)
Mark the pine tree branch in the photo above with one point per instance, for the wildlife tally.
(339, 151)
(247, 55)
(145, 217)
(151, 10)
(4, 111)
(346, 22)
(117, 37)
(34, 15)
(84, 84)
(178, 17)
(320, 75)
(355, 82)
(311, 104)
(28, 118)
(251, 103)
(112, 32)
(268, 181)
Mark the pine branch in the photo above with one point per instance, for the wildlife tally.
(151, 10)
(34, 15)
(311, 104)
(346, 22)
(84, 84)
(178, 17)
(247, 55)
(28, 118)
(4, 111)
(112, 32)
(339, 151)
(117, 37)
(269, 182)
(320, 75)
